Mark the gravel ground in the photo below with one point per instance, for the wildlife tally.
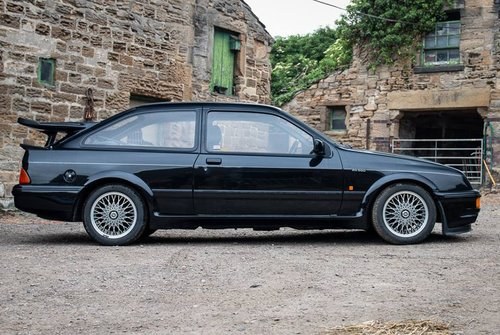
(55, 280)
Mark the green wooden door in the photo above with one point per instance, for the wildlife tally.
(223, 64)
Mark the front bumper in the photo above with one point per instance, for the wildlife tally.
(48, 202)
(458, 211)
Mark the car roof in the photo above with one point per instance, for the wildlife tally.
(206, 104)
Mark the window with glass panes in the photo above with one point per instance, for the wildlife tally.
(337, 118)
(442, 46)
(46, 71)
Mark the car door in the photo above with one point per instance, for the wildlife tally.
(157, 145)
(260, 163)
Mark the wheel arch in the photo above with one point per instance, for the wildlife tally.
(108, 178)
(402, 178)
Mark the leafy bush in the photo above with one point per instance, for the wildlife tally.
(389, 29)
(386, 29)
(300, 60)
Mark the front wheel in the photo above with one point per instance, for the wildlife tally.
(114, 215)
(404, 214)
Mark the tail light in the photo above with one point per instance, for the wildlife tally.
(24, 178)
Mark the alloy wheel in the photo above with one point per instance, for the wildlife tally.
(113, 215)
(405, 214)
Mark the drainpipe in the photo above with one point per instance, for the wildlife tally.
(488, 142)
(368, 126)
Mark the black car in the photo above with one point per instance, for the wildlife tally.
(231, 165)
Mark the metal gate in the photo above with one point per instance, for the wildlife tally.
(463, 154)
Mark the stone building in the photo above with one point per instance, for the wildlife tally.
(450, 93)
(59, 57)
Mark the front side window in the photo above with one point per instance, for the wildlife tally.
(169, 130)
(243, 132)
(226, 45)
(442, 46)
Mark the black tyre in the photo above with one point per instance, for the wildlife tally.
(114, 215)
(404, 214)
(147, 233)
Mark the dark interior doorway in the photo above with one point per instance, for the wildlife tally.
(453, 138)
(441, 125)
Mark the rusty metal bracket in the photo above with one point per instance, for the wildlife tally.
(88, 112)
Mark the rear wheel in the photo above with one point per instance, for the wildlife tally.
(114, 215)
(404, 214)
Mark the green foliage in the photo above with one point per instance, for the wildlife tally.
(394, 38)
(338, 55)
(299, 61)
(385, 29)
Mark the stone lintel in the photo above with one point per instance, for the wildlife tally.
(326, 103)
(438, 99)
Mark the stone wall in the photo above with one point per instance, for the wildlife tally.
(375, 100)
(252, 66)
(158, 49)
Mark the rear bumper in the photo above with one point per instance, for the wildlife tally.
(458, 211)
(54, 203)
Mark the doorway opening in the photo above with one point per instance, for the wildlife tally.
(441, 125)
(453, 138)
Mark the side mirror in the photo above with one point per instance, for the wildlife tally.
(319, 147)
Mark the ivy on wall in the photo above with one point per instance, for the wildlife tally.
(389, 29)
(385, 30)
(298, 62)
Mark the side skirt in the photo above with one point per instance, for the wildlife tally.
(257, 222)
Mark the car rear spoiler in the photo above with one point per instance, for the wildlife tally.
(51, 129)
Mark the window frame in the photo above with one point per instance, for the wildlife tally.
(51, 81)
(232, 48)
(330, 117)
(437, 48)
(132, 147)
(244, 153)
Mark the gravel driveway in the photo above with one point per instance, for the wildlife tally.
(55, 280)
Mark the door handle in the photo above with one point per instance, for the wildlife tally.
(214, 161)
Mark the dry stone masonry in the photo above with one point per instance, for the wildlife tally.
(154, 49)
(379, 102)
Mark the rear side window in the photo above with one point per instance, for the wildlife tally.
(173, 130)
